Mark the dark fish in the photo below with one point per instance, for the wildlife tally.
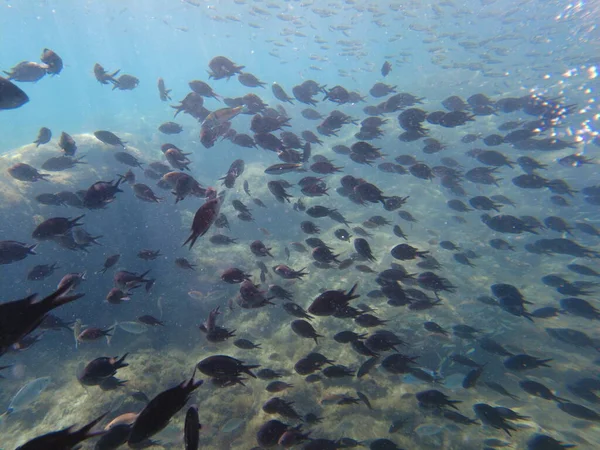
(364, 399)
(490, 416)
(296, 311)
(67, 144)
(435, 399)
(245, 344)
(100, 369)
(163, 92)
(280, 94)
(367, 366)
(103, 76)
(222, 366)
(544, 442)
(500, 389)
(268, 374)
(338, 371)
(41, 271)
(203, 219)
(573, 337)
(53, 62)
(25, 172)
(140, 397)
(583, 270)
(434, 328)
(525, 362)
(170, 128)
(269, 433)
(579, 411)
(21, 317)
(27, 71)
(109, 138)
(539, 390)
(491, 346)
(386, 68)
(471, 378)
(304, 329)
(504, 223)
(13, 251)
(280, 169)
(66, 438)
(150, 320)
(458, 418)
(362, 247)
(191, 429)
(145, 193)
(43, 137)
(327, 303)
(11, 96)
(397, 425)
(156, 415)
(126, 82)
(183, 263)
(278, 386)
(545, 312)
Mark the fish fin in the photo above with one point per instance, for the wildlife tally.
(109, 337)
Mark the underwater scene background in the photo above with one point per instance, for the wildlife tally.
(362, 224)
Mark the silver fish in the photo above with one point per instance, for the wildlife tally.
(77, 328)
(133, 327)
(28, 394)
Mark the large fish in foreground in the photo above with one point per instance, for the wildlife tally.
(191, 430)
(20, 317)
(63, 439)
(11, 96)
(157, 414)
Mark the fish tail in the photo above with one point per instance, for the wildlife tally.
(109, 337)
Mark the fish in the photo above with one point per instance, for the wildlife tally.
(157, 414)
(11, 96)
(28, 394)
(163, 92)
(109, 138)
(191, 429)
(64, 438)
(43, 137)
(19, 318)
(133, 327)
(196, 295)
(77, 328)
(203, 219)
(232, 424)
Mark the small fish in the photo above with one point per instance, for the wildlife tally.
(366, 367)
(232, 424)
(397, 425)
(332, 399)
(196, 295)
(77, 328)
(364, 399)
(140, 396)
(133, 327)
(123, 419)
